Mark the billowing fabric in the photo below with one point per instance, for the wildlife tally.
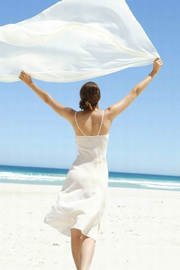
(75, 40)
(82, 199)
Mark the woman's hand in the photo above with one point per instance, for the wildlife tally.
(157, 65)
(26, 78)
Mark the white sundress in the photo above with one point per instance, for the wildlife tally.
(82, 199)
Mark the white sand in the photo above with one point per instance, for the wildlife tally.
(140, 230)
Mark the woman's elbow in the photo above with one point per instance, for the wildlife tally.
(46, 98)
(135, 92)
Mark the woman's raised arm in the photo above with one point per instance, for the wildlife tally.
(119, 107)
(63, 111)
(26, 78)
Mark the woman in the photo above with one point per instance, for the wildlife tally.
(81, 202)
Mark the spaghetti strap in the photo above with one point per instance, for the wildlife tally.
(78, 125)
(101, 122)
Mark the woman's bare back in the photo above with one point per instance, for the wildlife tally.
(90, 122)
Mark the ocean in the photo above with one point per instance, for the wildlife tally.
(54, 176)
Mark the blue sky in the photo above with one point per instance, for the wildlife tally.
(145, 138)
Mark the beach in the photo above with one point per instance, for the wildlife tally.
(140, 229)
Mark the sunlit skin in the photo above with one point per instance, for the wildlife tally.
(82, 246)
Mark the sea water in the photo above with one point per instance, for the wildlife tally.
(54, 176)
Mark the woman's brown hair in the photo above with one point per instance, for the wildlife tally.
(90, 95)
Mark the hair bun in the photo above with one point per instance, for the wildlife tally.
(89, 105)
(90, 95)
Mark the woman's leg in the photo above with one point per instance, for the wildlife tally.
(82, 249)
(87, 252)
(76, 246)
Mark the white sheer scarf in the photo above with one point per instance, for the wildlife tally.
(74, 40)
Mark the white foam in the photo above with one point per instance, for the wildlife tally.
(29, 176)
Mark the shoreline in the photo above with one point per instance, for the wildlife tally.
(111, 187)
(139, 230)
